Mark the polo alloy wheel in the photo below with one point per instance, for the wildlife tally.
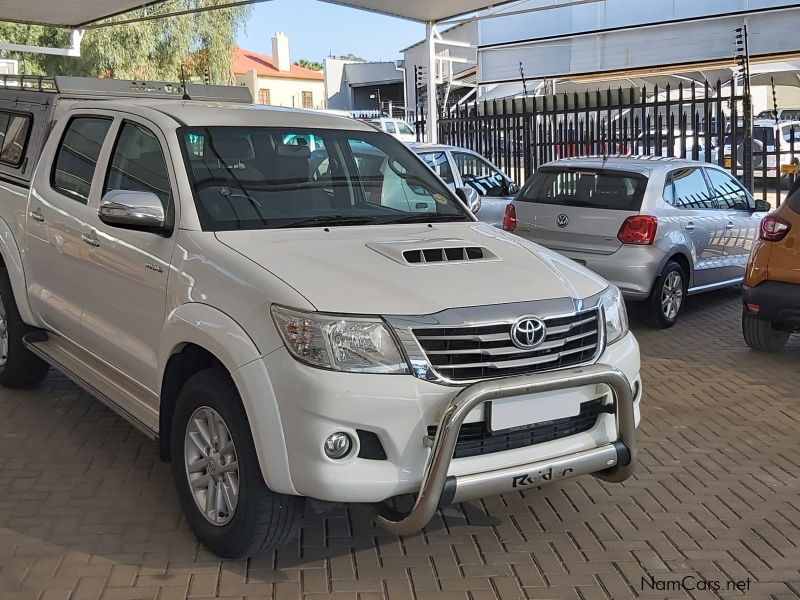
(672, 295)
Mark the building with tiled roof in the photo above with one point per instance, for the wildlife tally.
(275, 80)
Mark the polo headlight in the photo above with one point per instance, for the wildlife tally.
(616, 316)
(339, 342)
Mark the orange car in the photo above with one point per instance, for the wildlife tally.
(772, 282)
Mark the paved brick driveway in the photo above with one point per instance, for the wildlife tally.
(87, 510)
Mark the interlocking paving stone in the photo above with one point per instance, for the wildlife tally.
(87, 510)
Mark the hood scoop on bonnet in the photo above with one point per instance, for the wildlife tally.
(421, 252)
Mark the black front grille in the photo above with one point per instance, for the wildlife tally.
(478, 352)
(475, 439)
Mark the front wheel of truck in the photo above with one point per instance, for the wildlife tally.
(19, 367)
(217, 474)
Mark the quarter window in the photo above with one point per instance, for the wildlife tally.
(138, 164)
(77, 154)
(690, 190)
(13, 137)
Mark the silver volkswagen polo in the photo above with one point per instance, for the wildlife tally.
(658, 228)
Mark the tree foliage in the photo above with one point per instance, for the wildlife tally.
(153, 50)
(309, 64)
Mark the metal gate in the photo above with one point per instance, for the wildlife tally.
(698, 122)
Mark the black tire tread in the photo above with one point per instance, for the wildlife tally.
(22, 368)
(276, 517)
(761, 336)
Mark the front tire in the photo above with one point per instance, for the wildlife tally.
(761, 336)
(217, 474)
(19, 367)
(667, 298)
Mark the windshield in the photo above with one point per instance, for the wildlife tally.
(272, 178)
(589, 188)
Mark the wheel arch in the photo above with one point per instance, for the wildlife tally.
(12, 263)
(198, 336)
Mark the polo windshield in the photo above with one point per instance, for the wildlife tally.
(274, 178)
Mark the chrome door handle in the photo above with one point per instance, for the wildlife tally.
(37, 215)
(689, 227)
(91, 241)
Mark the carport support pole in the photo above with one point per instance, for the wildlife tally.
(432, 120)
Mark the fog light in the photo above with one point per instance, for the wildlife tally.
(338, 445)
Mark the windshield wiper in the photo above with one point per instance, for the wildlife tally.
(426, 218)
(324, 221)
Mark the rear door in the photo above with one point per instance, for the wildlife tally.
(578, 209)
(698, 221)
(737, 208)
(59, 273)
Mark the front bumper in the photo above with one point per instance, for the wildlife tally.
(398, 409)
(612, 462)
(778, 301)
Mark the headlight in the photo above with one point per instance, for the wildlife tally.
(616, 315)
(340, 343)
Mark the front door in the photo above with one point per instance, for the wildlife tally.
(58, 274)
(122, 325)
(496, 190)
(737, 208)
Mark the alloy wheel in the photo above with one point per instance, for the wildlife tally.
(672, 295)
(212, 467)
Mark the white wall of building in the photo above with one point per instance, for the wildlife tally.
(285, 92)
(506, 41)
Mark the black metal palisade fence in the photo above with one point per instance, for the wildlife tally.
(699, 122)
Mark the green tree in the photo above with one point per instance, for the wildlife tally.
(309, 64)
(352, 57)
(145, 50)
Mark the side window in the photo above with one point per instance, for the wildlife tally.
(77, 154)
(690, 190)
(138, 164)
(439, 164)
(390, 127)
(13, 137)
(729, 193)
(479, 174)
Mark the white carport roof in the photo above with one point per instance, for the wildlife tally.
(78, 13)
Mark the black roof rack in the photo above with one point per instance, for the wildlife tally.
(92, 88)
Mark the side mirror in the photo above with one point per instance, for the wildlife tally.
(470, 197)
(135, 210)
(763, 206)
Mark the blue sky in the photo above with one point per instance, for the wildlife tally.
(317, 29)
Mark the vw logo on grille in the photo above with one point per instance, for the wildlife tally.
(562, 221)
(528, 333)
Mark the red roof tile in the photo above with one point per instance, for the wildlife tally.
(245, 60)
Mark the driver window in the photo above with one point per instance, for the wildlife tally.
(729, 193)
(480, 175)
(138, 164)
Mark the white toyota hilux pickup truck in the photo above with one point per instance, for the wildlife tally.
(294, 306)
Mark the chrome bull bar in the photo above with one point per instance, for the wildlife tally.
(613, 462)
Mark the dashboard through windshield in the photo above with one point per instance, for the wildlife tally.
(274, 178)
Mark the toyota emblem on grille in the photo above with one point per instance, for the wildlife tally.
(528, 333)
(562, 221)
